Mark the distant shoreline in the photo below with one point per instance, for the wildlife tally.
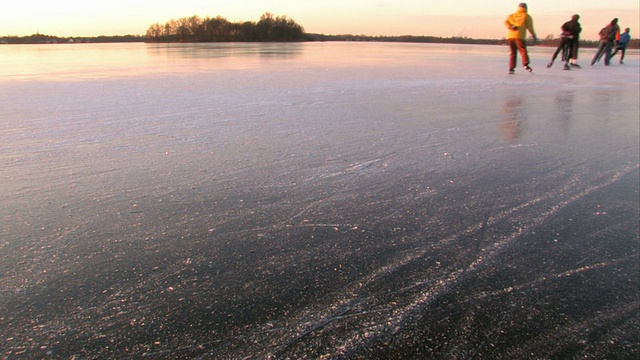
(51, 39)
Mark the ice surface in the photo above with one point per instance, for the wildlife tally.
(316, 200)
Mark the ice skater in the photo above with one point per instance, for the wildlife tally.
(608, 35)
(576, 46)
(568, 43)
(518, 24)
(623, 41)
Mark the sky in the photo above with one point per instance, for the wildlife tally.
(481, 19)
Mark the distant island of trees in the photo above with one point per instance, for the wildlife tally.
(219, 29)
(269, 28)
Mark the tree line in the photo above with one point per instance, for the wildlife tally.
(549, 41)
(402, 38)
(50, 39)
(281, 28)
(219, 29)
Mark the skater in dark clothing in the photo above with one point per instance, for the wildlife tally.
(518, 24)
(608, 35)
(568, 41)
(623, 41)
(576, 46)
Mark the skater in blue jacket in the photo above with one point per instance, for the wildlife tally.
(625, 37)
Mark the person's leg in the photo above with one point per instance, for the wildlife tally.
(576, 47)
(607, 52)
(522, 48)
(513, 55)
(555, 54)
(598, 54)
(622, 52)
(567, 46)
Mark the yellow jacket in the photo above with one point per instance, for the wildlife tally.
(518, 23)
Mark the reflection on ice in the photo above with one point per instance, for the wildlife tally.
(327, 200)
(226, 50)
(513, 119)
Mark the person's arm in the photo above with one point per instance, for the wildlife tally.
(530, 27)
(509, 25)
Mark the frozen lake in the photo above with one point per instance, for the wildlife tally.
(316, 201)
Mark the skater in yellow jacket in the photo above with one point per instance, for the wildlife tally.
(518, 24)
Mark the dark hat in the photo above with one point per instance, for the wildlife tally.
(575, 17)
(523, 5)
